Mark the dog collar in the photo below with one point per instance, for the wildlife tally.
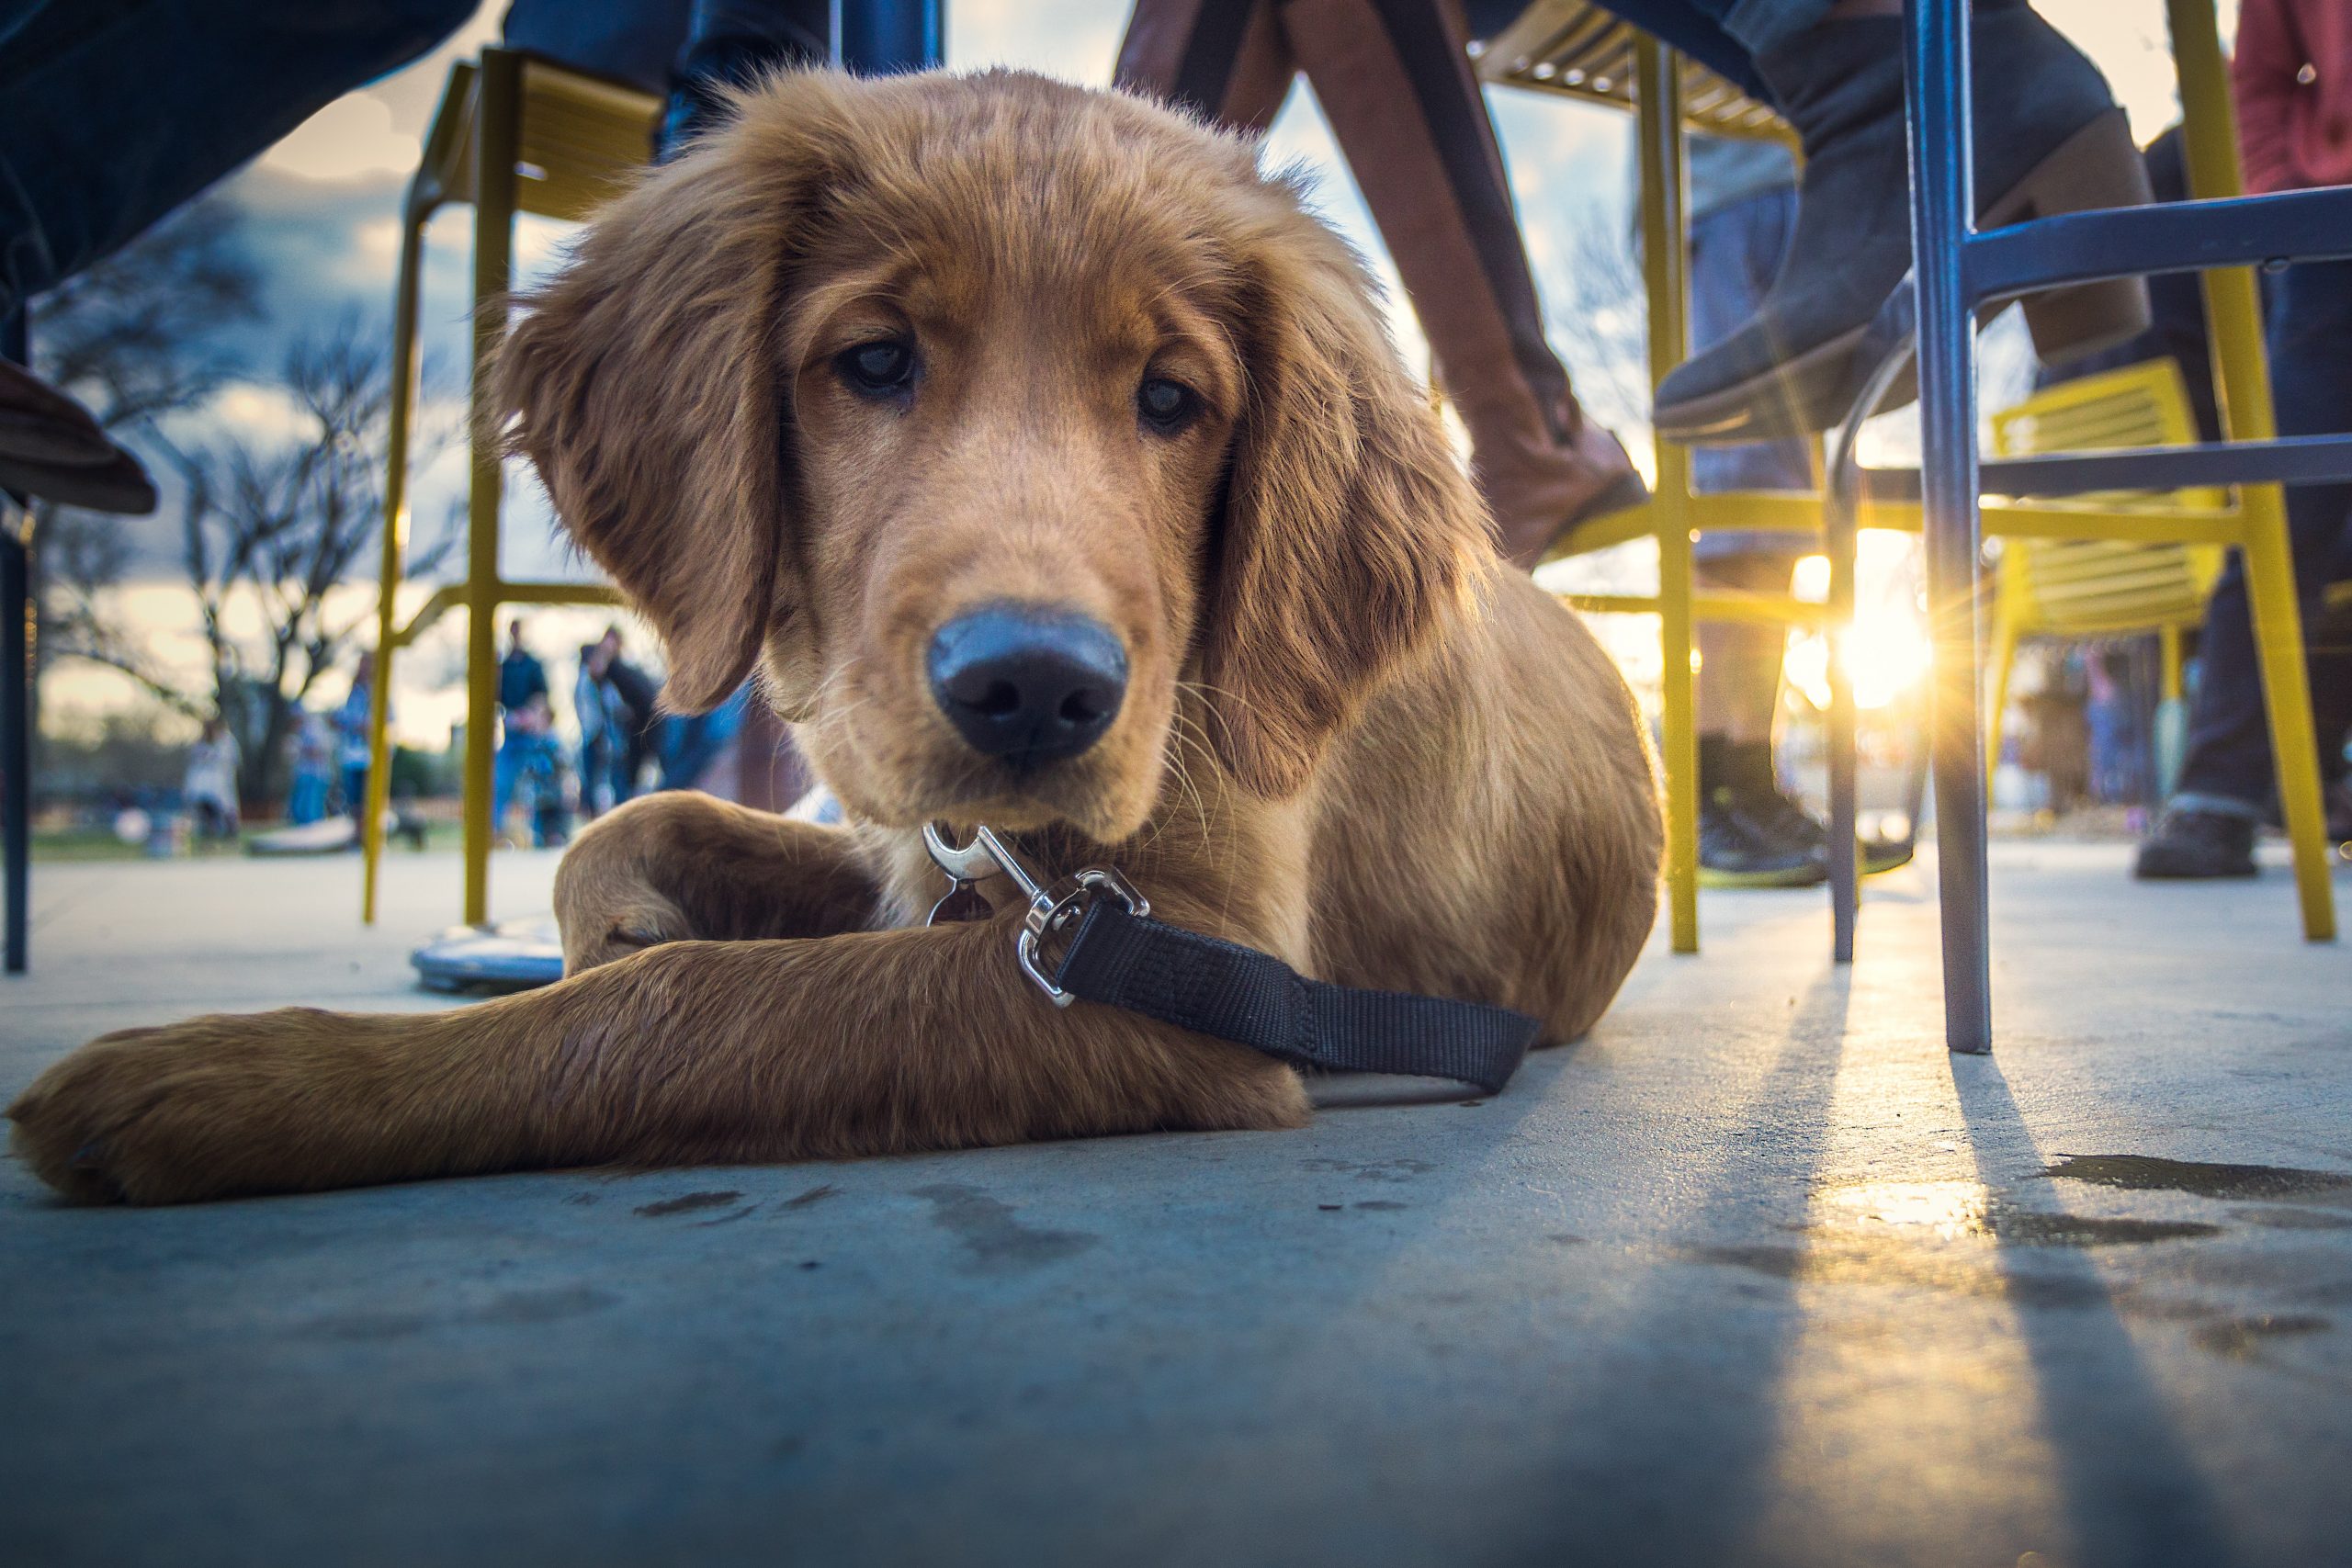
(1112, 952)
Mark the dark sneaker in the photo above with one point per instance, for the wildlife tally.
(2197, 845)
(1742, 846)
(1783, 821)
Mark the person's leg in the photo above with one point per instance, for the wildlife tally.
(505, 770)
(2227, 779)
(1393, 79)
(115, 112)
(1749, 834)
(2049, 139)
(1224, 60)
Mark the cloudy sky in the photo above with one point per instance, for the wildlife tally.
(320, 209)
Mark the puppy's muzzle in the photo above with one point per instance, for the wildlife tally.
(1027, 683)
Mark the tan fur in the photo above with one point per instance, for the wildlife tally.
(1349, 735)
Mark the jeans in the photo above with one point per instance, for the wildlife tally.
(1735, 252)
(505, 772)
(692, 742)
(2229, 766)
(115, 112)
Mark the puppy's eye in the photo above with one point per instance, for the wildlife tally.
(1166, 406)
(884, 368)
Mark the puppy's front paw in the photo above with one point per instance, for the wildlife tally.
(204, 1109)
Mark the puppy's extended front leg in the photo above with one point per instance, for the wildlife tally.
(687, 1053)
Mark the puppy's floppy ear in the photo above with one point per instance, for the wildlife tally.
(646, 385)
(1349, 530)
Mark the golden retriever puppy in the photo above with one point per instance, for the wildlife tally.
(1054, 468)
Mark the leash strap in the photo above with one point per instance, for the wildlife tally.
(1121, 957)
(1125, 960)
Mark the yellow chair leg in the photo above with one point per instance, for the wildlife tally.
(2003, 653)
(2211, 132)
(387, 575)
(1663, 230)
(496, 148)
(2169, 644)
(2286, 696)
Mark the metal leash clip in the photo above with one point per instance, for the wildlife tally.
(1051, 910)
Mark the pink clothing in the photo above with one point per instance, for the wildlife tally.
(2293, 80)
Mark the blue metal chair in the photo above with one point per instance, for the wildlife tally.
(1956, 268)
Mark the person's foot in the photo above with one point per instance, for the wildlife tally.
(1605, 482)
(2190, 845)
(50, 447)
(2049, 139)
(1749, 840)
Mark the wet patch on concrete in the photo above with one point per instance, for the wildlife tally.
(1381, 1205)
(2242, 1339)
(1951, 1211)
(727, 1218)
(814, 1195)
(1903, 1265)
(2030, 1227)
(994, 1238)
(2145, 1173)
(688, 1204)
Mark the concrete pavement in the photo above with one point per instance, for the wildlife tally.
(1757, 1274)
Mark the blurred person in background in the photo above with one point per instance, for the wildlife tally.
(524, 718)
(351, 725)
(2292, 76)
(313, 770)
(601, 717)
(209, 787)
(1393, 77)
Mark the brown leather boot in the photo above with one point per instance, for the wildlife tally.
(1538, 497)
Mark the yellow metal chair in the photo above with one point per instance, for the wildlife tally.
(512, 134)
(1574, 48)
(2091, 588)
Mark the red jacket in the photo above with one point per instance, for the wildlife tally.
(2293, 78)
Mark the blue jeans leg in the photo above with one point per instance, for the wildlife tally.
(115, 112)
(1735, 252)
(505, 770)
(2228, 765)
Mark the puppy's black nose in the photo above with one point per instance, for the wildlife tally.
(1025, 684)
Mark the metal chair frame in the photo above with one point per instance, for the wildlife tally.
(2219, 231)
(512, 134)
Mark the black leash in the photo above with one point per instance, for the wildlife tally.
(1121, 957)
